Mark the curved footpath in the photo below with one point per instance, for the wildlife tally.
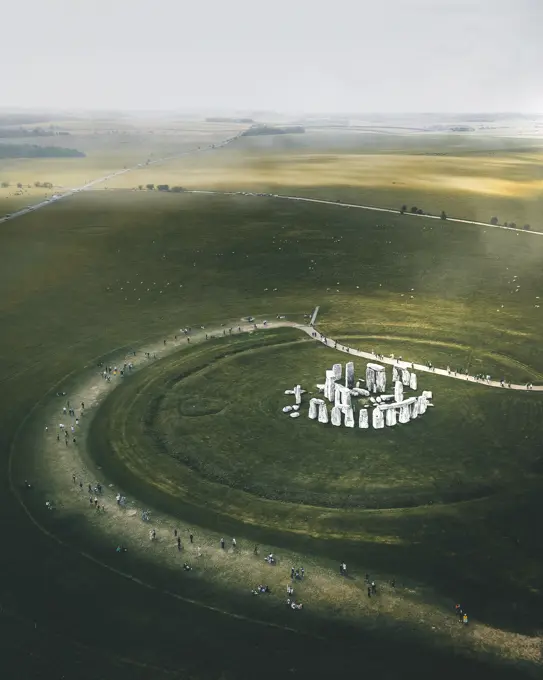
(64, 474)
(329, 342)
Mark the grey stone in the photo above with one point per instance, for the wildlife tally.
(405, 377)
(363, 420)
(390, 417)
(336, 416)
(349, 416)
(323, 413)
(337, 371)
(295, 414)
(349, 374)
(378, 419)
(313, 411)
(398, 391)
(413, 381)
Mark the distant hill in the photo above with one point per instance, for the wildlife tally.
(219, 119)
(51, 131)
(272, 130)
(35, 151)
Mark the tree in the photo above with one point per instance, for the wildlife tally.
(420, 212)
(493, 220)
(150, 187)
(513, 225)
(140, 186)
(163, 187)
(403, 209)
(37, 184)
(5, 185)
(526, 227)
(19, 185)
(443, 215)
(177, 190)
(414, 210)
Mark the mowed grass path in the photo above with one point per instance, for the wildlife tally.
(88, 275)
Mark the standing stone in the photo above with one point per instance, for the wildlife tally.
(298, 394)
(313, 411)
(390, 416)
(374, 381)
(404, 413)
(413, 381)
(330, 386)
(349, 374)
(349, 416)
(415, 409)
(381, 380)
(370, 377)
(405, 377)
(337, 371)
(378, 419)
(423, 404)
(427, 394)
(398, 391)
(395, 374)
(343, 396)
(336, 416)
(363, 423)
(323, 413)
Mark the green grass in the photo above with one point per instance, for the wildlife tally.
(68, 275)
(211, 421)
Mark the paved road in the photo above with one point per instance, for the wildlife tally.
(361, 207)
(405, 364)
(99, 180)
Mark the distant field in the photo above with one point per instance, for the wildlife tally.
(108, 145)
(468, 177)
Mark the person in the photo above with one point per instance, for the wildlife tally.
(465, 619)
(234, 543)
(290, 589)
(186, 567)
(255, 551)
(222, 543)
(191, 537)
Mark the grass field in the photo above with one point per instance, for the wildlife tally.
(110, 269)
(203, 432)
(469, 178)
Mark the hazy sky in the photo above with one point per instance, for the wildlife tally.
(287, 55)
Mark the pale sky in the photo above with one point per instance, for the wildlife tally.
(283, 55)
